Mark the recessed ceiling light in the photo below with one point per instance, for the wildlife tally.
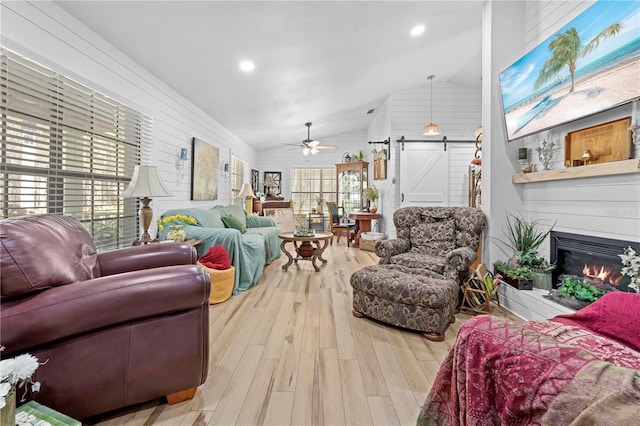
(247, 66)
(416, 31)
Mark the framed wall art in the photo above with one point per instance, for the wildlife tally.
(204, 171)
(588, 66)
(272, 181)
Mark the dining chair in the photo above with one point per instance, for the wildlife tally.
(336, 227)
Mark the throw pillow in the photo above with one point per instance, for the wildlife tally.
(216, 258)
(436, 239)
(232, 222)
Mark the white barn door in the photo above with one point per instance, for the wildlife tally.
(424, 175)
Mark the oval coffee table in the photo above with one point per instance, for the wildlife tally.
(304, 250)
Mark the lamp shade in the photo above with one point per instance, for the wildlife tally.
(246, 191)
(431, 130)
(146, 182)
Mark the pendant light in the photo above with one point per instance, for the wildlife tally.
(431, 129)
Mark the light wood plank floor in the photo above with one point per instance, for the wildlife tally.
(289, 352)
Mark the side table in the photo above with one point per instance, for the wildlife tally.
(363, 224)
(305, 250)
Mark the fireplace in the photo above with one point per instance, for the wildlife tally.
(587, 257)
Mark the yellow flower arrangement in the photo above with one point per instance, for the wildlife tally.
(180, 219)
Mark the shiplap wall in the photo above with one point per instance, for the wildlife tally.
(285, 158)
(458, 112)
(379, 130)
(456, 109)
(601, 206)
(47, 34)
(606, 206)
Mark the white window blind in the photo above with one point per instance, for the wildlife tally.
(237, 178)
(68, 149)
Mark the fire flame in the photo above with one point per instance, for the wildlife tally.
(604, 275)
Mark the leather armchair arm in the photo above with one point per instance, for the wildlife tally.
(461, 258)
(146, 257)
(385, 249)
(100, 303)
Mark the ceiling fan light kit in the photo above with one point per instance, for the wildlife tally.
(310, 146)
(431, 129)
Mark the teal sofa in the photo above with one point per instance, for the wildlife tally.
(249, 251)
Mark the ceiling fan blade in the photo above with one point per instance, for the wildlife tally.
(325, 147)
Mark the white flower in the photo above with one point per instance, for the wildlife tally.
(4, 391)
(631, 263)
(17, 371)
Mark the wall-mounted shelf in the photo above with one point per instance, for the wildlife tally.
(602, 169)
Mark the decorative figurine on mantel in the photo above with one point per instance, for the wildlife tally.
(545, 153)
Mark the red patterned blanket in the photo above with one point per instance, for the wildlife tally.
(503, 373)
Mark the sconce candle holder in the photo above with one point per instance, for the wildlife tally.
(182, 156)
(545, 153)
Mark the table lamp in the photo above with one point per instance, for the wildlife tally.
(269, 183)
(248, 195)
(144, 184)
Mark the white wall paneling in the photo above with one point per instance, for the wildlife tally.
(45, 33)
(287, 157)
(606, 206)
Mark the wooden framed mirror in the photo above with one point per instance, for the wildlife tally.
(380, 165)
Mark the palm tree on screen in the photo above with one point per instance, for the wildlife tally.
(566, 49)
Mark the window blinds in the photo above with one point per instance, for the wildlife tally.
(68, 149)
(237, 178)
(308, 185)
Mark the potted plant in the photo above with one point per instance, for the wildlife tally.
(372, 195)
(520, 277)
(524, 237)
(539, 266)
(575, 293)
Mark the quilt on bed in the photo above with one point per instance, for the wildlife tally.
(537, 372)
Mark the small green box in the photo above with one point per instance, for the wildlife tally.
(31, 413)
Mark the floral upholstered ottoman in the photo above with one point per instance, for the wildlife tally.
(405, 297)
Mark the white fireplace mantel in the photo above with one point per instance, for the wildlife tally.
(602, 169)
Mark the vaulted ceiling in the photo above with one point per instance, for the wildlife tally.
(327, 62)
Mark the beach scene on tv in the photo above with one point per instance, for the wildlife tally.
(590, 65)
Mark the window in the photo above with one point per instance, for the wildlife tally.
(308, 185)
(237, 179)
(68, 149)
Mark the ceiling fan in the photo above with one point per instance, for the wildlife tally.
(311, 146)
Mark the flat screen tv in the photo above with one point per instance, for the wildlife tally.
(590, 65)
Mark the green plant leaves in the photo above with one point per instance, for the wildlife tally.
(579, 289)
(524, 236)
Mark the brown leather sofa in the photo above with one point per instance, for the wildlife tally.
(113, 328)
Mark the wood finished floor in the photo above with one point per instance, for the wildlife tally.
(289, 352)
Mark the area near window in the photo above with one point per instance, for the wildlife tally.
(311, 188)
(68, 149)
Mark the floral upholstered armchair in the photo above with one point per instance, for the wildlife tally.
(442, 240)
